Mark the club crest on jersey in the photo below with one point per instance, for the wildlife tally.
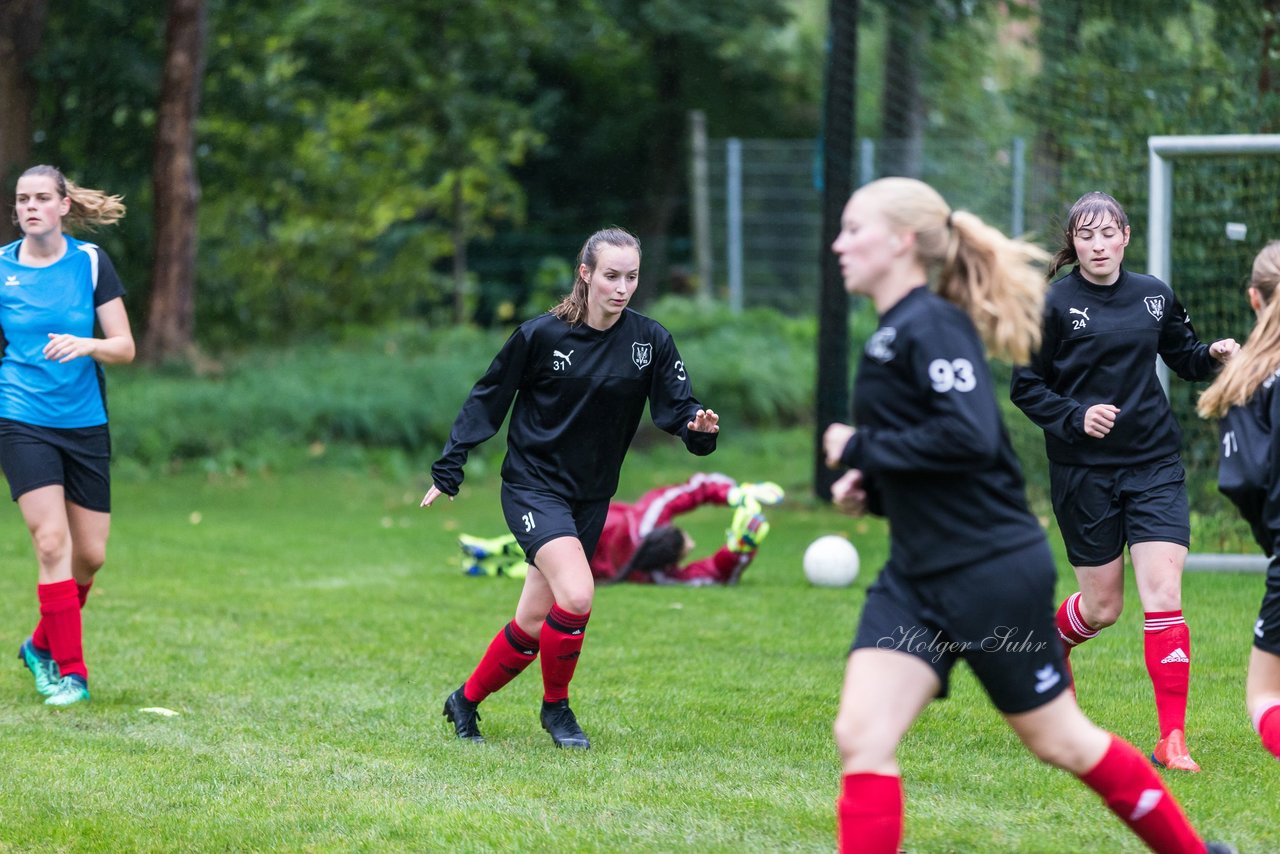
(641, 354)
(1155, 305)
(880, 344)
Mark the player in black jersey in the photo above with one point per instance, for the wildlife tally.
(576, 381)
(969, 574)
(1244, 397)
(1115, 470)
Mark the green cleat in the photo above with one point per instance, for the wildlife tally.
(42, 667)
(71, 689)
(747, 532)
(480, 549)
(765, 493)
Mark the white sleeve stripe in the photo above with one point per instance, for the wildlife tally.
(92, 251)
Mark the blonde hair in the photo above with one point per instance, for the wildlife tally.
(999, 282)
(89, 208)
(573, 308)
(1260, 355)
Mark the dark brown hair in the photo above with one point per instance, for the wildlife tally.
(1090, 208)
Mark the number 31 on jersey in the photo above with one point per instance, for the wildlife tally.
(952, 375)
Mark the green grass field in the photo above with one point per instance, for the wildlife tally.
(308, 626)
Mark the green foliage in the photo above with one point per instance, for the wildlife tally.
(400, 388)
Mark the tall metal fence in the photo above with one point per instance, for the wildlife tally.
(765, 207)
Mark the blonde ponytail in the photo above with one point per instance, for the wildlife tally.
(89, 208)
(998, 282)
(1260, 356)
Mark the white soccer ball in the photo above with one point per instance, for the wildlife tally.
(831, 561)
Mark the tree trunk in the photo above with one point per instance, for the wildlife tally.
(21, 28)
(902, 105)
(171, 330)
(664, 149)
(459, 253)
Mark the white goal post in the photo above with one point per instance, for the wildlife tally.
(1162, 151)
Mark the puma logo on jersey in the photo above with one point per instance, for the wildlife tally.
(566, 356)
(12, 281)
(562, 360)
(1176, 657)
(1046, 678)
(1084, 317)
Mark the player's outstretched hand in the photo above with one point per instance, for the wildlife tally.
(705, 421)
(1099, 419)
(1223, 350)
(432, 494)
(848, 493)
(834, 440)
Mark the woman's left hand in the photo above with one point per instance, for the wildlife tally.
(834, 440)
(1223, 350)
(64, 348)
(705, 421)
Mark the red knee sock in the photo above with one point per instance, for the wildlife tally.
(60, 616)
(509, 653)
(40, 637)
(1131, 789)
(1071, 625)
(1269, 729)
(869, 814)
(562, 635)
(1167, 641)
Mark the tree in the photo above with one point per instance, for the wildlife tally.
(171, 323)
(21, 27)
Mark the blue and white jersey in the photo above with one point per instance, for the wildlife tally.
(60, 298)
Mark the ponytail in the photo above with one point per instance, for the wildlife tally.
(1259, 358)
(89, 208)
(998, 282)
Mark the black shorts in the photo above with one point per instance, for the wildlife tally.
(998, 616)
(536, 516)
(1266, 632)
(78, 458)
(1100, 508)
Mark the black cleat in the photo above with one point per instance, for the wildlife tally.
(558, 719)
(464, 714)
(1220, 848)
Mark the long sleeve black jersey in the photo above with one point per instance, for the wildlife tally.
(931, 444)
(1100, 346)
(1246, 462)
(579, 394)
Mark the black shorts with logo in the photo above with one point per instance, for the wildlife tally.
(78, 458)
(536, 516)
(998, 616)
(1266, 632)
(1100, 508)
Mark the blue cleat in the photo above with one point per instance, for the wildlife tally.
(42, 667)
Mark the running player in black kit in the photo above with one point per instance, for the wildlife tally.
(1115, 470)
(1244, 397)
(580, 377)
(969, 574)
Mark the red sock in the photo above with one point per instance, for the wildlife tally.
(562, 635)
(1167, 641)
(1071, 625)
(60, 616)
(869, 814)
(1125, 780)
(1269, 729)
(509, 653)
(40, 637)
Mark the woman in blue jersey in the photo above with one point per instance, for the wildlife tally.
(576, 381)
(1115, 467)
(1244, 397)
(54, 446)
(969, 574)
